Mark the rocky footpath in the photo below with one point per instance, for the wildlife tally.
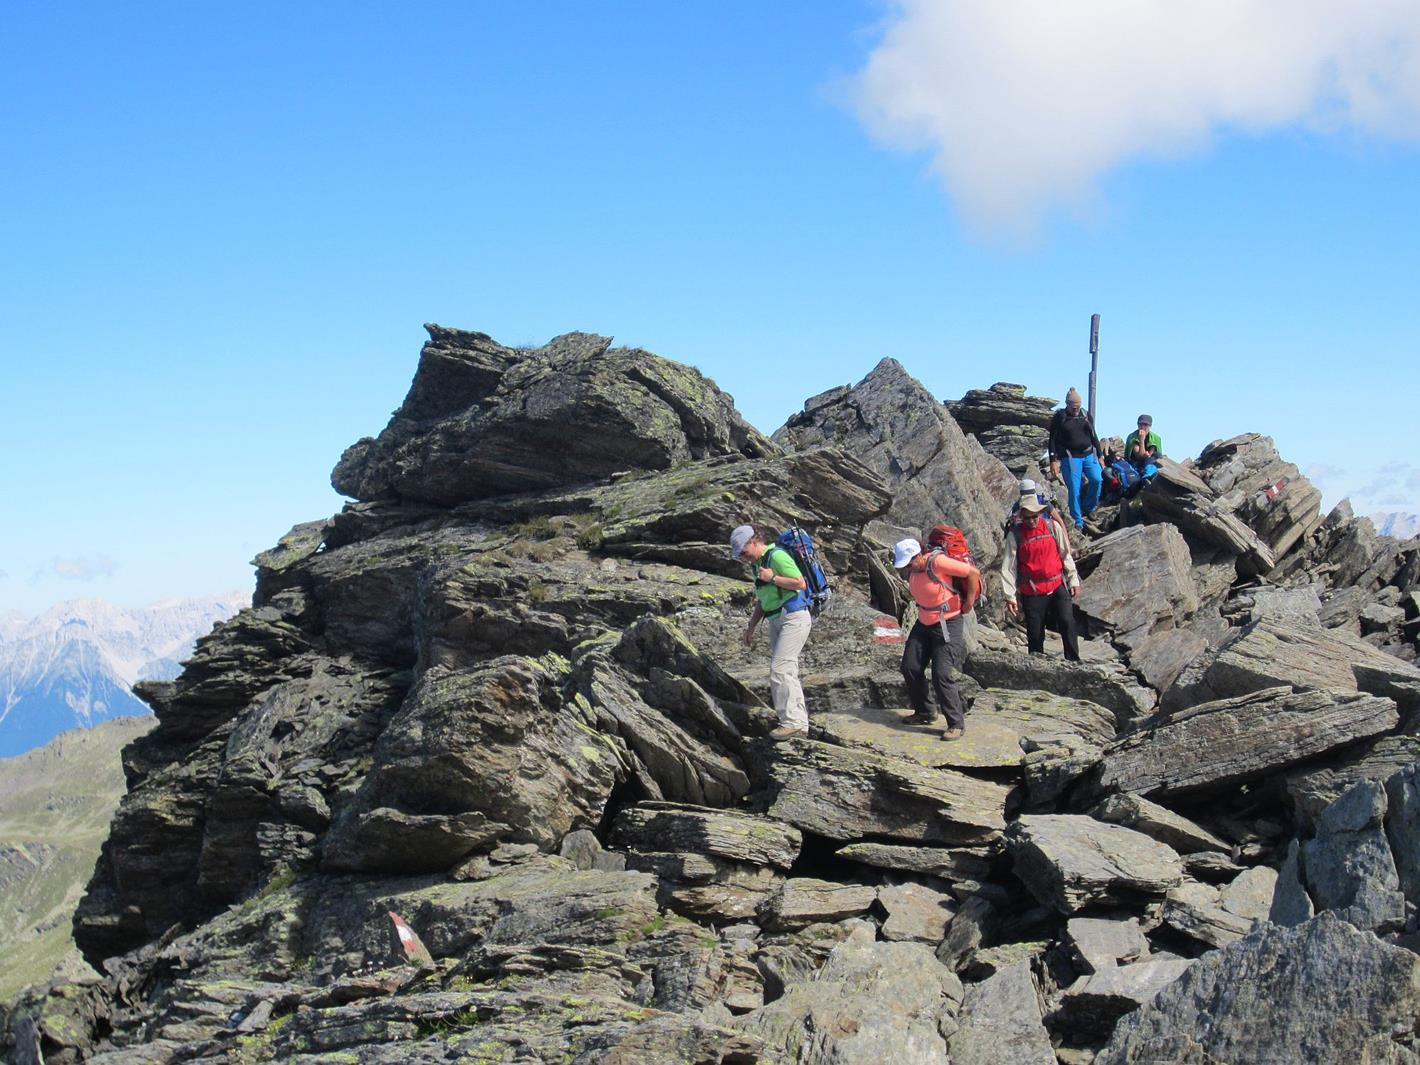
(483, 773)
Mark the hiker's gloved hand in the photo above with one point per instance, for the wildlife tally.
(1012, 608)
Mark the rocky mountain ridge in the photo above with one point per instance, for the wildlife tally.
(483, 772)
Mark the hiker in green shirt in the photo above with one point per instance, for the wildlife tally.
(780, 599)
(1143, 448)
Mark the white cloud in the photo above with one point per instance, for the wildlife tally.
(84, 569)
(1024, 104)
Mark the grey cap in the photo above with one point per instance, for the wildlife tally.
(1145, 419)
(739, 539)
(1027, 485)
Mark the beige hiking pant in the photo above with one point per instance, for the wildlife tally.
(787, 635)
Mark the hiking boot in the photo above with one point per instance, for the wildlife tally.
(786, 732)
(952, 734)
(920, 719)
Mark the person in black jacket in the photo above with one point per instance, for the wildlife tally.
(1075, 448)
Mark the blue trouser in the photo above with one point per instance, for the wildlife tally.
(1073, 468)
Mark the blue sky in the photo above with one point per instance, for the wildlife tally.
(224, 225)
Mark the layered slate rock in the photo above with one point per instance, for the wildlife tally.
(1267, 653)
(1069, 861)
(1105, 685)
(896, 427)
(1279, 996)
(1232, 741)
(1179, 496)
(846, 794)
(1011, 425)
(718, 864)
(1001, 1021)
(482, 420)
(1157, 822)
(1098, 943)
(1142, 582)
(450, 771)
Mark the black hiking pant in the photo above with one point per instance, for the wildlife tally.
(1058, 603)
(947, 652)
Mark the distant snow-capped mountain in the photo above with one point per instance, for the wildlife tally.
(1398, 524)
(74, 665)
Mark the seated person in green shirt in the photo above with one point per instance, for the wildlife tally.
(781, 600)
(1143, 448)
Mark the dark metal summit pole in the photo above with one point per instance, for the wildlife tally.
(1094, 360)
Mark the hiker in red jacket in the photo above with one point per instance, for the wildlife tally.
(944, 588)
(1037, 561)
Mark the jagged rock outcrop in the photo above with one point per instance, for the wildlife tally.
(895, 426)
(483, 420)
(1232, 741)
(483, 772)
(1010, 425)
(1275, 997)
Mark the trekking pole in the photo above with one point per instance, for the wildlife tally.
(1094, 360)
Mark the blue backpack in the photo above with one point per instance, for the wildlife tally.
(1128, 475)
(816, 593)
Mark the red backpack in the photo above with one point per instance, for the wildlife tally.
(1039, 568)
(951, 541)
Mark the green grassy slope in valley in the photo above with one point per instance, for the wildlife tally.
(55, 806)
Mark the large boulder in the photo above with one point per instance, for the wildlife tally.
(899, 430)
(1069, 862)
(850, 793)
(482, 420)
(1001, 1020)
(1233, 741)
(1322, 993)
(870, 1003)
(1268, 653)
(1347, 868)
(1010, 425)
(1141, 582)
(474, 757)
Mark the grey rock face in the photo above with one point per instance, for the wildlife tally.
(1069, 861)
(870, 1003)
(1142, 583)
(1103, 685)
(481, 420)
(896, 427)
(1403, 828)
(1275, 998)
(1231, 741)
(455, 748)
(1001, 1021)
(1001, 404)
(1347, 869)
(1098, 943)
(1266, 653)
(1093, 1004)
(1157, 822)
(846, 794)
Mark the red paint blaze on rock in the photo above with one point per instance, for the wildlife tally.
(887, 630)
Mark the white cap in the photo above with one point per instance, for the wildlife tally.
(739, 539)
(904, 551)
(1027, 485)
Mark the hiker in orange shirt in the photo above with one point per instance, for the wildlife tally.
(944, 589)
